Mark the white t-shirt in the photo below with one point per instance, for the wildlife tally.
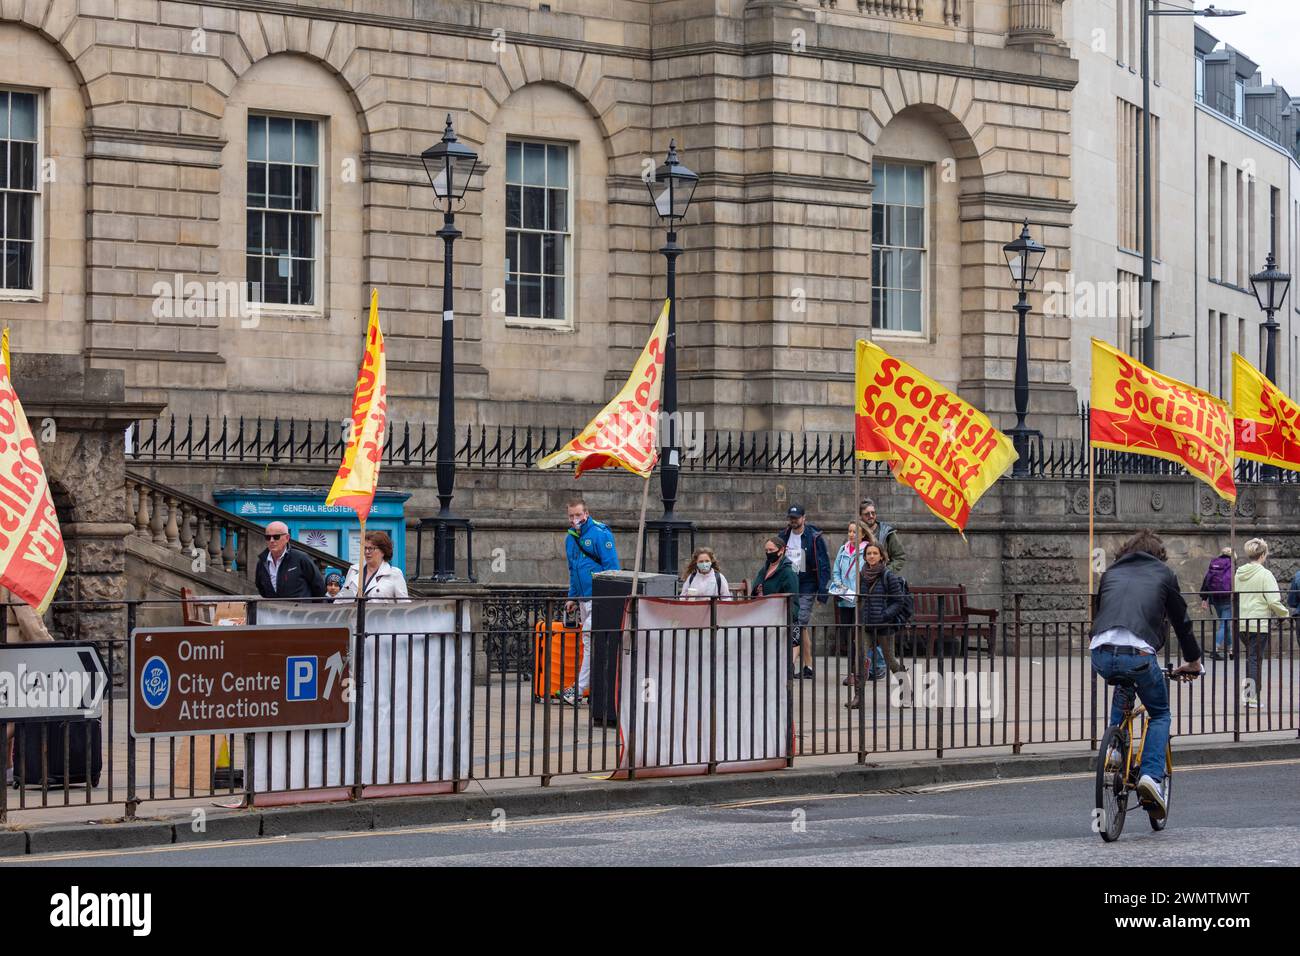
(1120, 637)
(795, 552)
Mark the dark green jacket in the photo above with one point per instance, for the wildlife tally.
(784, 581)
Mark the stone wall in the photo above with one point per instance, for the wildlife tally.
(1024, 536)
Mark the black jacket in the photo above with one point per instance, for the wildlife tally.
(882, 604)
(298, 576)
(1140, 593)
(817, 563)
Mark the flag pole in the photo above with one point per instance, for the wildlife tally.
(1092, 491)
(361, 561)
(640, 534)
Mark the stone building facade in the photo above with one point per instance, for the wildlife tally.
(948, 120)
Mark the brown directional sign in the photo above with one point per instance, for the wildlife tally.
(201, 680)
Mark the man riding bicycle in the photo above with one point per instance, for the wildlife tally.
(1138, 594)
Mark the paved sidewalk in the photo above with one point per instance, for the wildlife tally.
(976, 715)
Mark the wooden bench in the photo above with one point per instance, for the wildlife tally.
(958, 627)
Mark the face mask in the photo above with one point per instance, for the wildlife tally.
(772, 557)
(575, 523)
(704, 567)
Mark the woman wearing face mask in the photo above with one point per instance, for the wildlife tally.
(881, 594)
(777, 577)
(703, 577)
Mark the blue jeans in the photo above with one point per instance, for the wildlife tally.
(1223, 629)
(1154, 694)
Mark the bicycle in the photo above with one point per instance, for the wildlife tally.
(1119, 760)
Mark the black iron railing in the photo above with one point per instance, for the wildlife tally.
(299, 441)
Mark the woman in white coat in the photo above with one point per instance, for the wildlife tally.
(382, 579)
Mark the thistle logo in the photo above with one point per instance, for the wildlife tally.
(155, 682)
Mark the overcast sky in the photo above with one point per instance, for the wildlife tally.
(1269, 34)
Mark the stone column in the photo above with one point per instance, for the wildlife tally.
(1035, 24)
(79, 417)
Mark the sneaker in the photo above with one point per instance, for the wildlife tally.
(570, 696)
(807, 673)
(1252, 703)
(1152, 795)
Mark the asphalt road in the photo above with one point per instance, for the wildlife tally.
(1230, 815)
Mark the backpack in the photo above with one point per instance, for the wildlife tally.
(909, 606)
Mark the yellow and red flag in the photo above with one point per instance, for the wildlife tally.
(1138, 410)
(1267, 422)
(625, 433)
(943, 448)
(32, 555)
(358, 476)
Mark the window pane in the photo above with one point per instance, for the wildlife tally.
(915, 185)
(275, 285)
(22, 116)
(530, 296)
(895, 184)
(18, 217)
(878, 223)
(513, 199)
(914, 228)
(553, 298)
(512, 252)
(4, 165)
(303, 237)
(894, 319)
(878, 179)
(530, 252)
(895, 232)
(875, 268)
(280, 139)
(18, 265)
(553, 255)
(253, 265)
(300, 287)
(277, 233)
(304, 187)
(279, 186)
(22, 165)
(255, 233)
(257, 184)
(512, 295)
(557, 212)
(513, 159)
(304, 132)
(910, 308)
(256, 137)
(910, 270)
(534, 164)
(4, 115)
(534, 208)
(557, 166)
(876, 296)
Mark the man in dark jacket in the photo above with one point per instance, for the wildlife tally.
(885, 534)
(1138, 594)
(805, 547)
(283, 572)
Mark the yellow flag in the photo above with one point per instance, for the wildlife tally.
(32, 555)
(358, 477)
(625, 433)
(943, 448)
(1136, 409)
(1267, 423)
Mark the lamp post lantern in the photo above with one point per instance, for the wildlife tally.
(1271, 286)
(670, 193)
(450, 165)
(1024, 256)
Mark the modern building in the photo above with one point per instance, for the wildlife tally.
(202, 195)
(1225, 193)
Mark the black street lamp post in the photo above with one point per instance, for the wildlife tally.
(1270, 287)
(1024, 256)
(449, 165)
(676, 186)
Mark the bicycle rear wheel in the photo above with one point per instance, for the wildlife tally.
(1160, 824)
(1112, 795)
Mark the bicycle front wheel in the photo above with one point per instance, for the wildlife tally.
(1160, 824)
(1112, 796)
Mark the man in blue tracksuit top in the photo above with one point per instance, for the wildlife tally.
(589, 547)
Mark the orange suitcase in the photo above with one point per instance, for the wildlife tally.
(566, 659)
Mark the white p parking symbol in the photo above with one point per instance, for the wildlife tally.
(301, 678)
